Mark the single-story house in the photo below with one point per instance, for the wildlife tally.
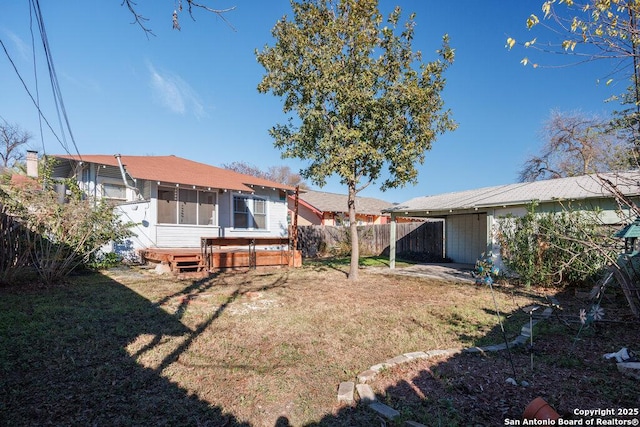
(471, 216)
(173, 201)
(322, 208)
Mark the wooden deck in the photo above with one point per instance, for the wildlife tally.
(214, 258)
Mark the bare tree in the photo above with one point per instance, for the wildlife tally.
(285, 175)
(12, 140)
(190, 6)
(280, 174)
(577, 144)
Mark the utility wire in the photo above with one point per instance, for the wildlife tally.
(55, 85)
(35, 77)
(41, 114)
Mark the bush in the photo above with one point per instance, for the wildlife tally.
(60, 237)
(555, 249)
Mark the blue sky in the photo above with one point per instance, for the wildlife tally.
(193, 92)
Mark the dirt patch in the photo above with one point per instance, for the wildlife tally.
(565, 368)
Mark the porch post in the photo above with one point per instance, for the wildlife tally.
(392, 242)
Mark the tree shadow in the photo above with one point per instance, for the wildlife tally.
(63, 359)
(482, 387)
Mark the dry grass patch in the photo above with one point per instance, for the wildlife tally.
(258, 347)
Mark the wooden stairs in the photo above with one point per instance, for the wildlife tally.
(186, 263)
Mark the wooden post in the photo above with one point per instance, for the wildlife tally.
(294, 224)
(392, 242)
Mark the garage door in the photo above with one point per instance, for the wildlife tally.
(465, 237)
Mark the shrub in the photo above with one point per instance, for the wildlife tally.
(557, 248)
(61, 236)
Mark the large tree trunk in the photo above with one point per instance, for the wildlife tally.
(353, 226)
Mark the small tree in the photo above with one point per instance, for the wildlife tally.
(361, 102)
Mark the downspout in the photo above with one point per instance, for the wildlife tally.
(124, 178)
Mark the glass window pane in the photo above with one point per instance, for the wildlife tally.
(240, 204)
(188, 200)
(114, 191)
(240, 220)
(167, 206)
(260, 221)
(259, 206)
(207, 208)
(240, 212)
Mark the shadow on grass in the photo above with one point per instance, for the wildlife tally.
(342, 263)
(563, 367)
(63, 359)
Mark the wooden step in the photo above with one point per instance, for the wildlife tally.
(180, 263)
(186, 258)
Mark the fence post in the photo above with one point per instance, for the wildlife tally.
(392, 243)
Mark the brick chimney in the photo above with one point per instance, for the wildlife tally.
(32, 163)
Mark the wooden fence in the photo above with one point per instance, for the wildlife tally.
(14, 246)
(424, 239)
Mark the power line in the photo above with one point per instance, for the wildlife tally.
(41, 114)
(55, 85)
(35, 76)
(34, 9)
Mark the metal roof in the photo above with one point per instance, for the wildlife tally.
(560, 189)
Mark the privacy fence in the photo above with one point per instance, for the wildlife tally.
(416, 240)
(14, 246)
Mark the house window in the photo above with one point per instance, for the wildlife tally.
(186, 206)
(249, 212)
(114, 191)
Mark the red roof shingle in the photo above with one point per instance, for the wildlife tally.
(173, 169)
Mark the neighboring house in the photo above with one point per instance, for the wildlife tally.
(173, 202)
(321, 208)
(471, 216)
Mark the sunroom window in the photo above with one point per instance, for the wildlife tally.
(186, 206)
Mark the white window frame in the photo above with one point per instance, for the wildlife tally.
(251, 205)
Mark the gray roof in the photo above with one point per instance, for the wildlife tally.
(573, 188)
(332, 202)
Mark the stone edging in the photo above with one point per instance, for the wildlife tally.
(367, 396)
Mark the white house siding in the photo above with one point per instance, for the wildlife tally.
(144, 234)
(465, 237)
(183, 236)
